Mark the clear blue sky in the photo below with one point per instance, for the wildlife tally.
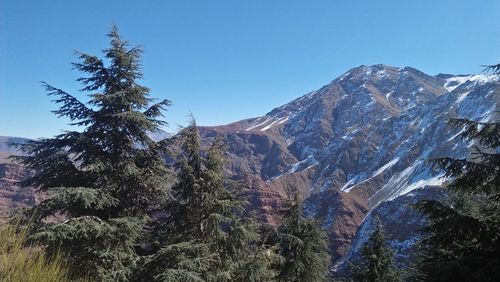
(229, 60)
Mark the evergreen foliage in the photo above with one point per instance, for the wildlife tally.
(492, 68)
(205, 234)
(104, 179)
(462, 239)
(376, 260)
(302, 246)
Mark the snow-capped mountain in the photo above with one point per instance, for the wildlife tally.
(378, 123)
(357, 142)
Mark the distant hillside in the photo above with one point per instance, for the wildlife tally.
(6, 149)
(12, 196)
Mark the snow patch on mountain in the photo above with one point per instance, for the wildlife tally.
(398, 182)
(268, 123)
(434, 181)
(276, 121)
(353, 181)
(305, 164)
(462, 97)
(386, 166)
(454, 82)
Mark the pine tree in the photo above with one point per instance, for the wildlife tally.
(253, 259)
(103, 179)
(204, 235)
(376, 261)
(462, 239)
(495, 69)
(302, 246)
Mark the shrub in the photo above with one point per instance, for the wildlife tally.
(21, 262)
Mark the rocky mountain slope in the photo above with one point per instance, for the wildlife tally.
(356, 147)
(355, 143)
(401, 223)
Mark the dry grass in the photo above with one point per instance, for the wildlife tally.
(21, 263)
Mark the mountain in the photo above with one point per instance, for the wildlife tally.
(357, 142)
(13, 196)
(355, 148)
(6, 149)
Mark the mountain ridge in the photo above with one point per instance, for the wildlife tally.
(362, 139)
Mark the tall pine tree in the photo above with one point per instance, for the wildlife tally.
(462, 239)
(302, 246)
(204, 234)
(376, 261)
(102, 179)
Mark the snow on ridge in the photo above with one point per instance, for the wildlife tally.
(284, 120)
(381, 73)
(255, 125)
(411, 178)
(354, 181)
(455, 136)
(489, 115)
(386, 166)
(434, 181)
(309, 162)
(346, 187)
(456, 81)
(277, 121)
(368, 71)
(268, 123)
(398, 180)
(462, 97)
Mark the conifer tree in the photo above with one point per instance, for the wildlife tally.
(102, 179)
(253, 259)
(204, 235)
(462, 239)
(302, 246)
(376, 261)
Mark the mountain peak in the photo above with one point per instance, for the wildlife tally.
(366, 71)
(385, 90)
(378, 71)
